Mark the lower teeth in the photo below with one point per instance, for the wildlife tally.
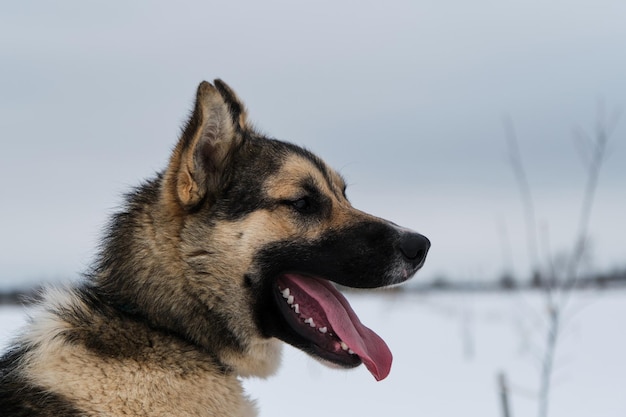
(290, 301)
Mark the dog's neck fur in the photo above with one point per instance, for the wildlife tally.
(157, 373)
(124, 278)
(122, 334)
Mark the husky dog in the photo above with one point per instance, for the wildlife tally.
(230, 250)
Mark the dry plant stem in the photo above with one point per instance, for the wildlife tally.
(555, 302)
(515, 157)
(547, 364)
(503, 387)
(597, 149)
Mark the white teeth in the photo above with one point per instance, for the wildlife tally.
(345, 347)
(286, 293)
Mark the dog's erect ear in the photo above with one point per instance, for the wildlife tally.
(236, 106)
(210, 138)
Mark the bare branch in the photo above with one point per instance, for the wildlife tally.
(561, 275)
(604, 128)
(515, 157)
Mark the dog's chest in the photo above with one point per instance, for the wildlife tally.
(104, 386)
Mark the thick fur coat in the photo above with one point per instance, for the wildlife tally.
(201, 276)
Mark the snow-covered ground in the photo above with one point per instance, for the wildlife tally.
(448, 351)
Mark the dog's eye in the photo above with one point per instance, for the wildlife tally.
(303, 205)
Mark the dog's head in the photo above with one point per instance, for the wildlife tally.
(264, 227)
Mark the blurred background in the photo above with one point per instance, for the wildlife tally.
(474, 123)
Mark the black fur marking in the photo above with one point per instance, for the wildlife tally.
(242, 193)
(248, 281)
(319, 204)
(257, 160)
(19, 398)
(359, 256)
(234, 105)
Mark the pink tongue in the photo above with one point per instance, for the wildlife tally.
(372, 350)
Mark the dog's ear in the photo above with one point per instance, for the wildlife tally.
(236, 106)
(210, 138)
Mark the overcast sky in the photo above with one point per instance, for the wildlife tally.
(406, 99)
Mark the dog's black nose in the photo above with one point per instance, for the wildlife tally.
(414, 248)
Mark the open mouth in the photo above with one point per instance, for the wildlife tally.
(329, 327)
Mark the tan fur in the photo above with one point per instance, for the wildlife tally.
(172, 380)
(286, 185)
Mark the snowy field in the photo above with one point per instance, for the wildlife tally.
(448, 351)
